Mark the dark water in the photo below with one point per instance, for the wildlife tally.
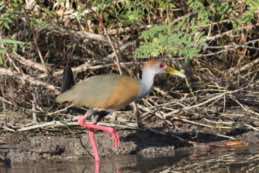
(214, 161)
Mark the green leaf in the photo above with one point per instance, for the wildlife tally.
(2, 52)
(165, 39)
(10, 41)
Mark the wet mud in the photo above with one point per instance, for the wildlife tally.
(28, 146)
(24, 146)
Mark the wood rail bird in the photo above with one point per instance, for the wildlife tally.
(112, 92)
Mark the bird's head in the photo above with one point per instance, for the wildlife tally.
(157, 67)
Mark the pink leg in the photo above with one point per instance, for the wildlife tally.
(91, 133)
(97, 166)
(115, 136)
(92, 140)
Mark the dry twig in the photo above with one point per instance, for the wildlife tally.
(31, 80)
(117, 60)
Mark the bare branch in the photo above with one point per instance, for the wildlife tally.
(31, 80)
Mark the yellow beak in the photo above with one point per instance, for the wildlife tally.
(175, 72)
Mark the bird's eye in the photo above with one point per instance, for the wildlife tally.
(161, 65)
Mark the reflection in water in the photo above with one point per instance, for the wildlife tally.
(122, 164)
(215, 161)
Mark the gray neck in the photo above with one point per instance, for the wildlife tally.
(146, 82)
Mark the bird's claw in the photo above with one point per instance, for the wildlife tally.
(116, 138)
(114, 134)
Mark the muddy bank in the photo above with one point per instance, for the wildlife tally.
(28, 146)
(24, 146)
(67, 154)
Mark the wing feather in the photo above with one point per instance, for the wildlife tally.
(103, 92)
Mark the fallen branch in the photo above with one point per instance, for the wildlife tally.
(7, 129)
(211, 99)
(60, 110)
(2, 99)
(30, 63)
(65, 124)
(31, 80)
(245, 108)
(205, 102)
(78, 34)
(230, 32)
(87, 66)
(245, 67)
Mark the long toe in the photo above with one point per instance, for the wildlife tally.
(116, 138)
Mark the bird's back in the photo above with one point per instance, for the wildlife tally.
(104, 92)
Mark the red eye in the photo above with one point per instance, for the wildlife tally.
(162, 65)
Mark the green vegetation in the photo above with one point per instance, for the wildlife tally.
(214, 41)
(250, 14)
(8, 44)
(10, 12)
(187, 36)
(172, 40)
(178, 29)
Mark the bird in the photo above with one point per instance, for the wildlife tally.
(111, 92)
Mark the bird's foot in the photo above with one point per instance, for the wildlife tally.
(92, 140)
(114, 134)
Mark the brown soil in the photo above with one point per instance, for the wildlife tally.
(24, 146)
(64, 145)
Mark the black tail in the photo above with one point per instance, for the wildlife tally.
(68, 78)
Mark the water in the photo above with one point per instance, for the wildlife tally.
(185, 160)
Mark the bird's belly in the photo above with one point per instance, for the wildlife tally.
(113, 104)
